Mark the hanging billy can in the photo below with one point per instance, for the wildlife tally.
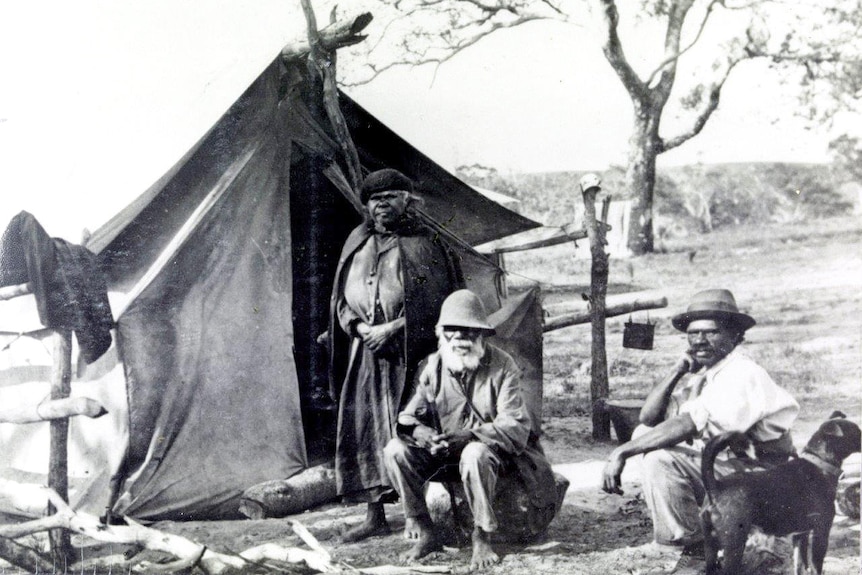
(638, 335)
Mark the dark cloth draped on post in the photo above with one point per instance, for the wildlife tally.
(65, 279)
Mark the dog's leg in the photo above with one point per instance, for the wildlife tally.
(800, 553)
(733, 538)
(710, 542)
(819, 545)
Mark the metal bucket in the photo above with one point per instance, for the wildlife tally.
(638, 335)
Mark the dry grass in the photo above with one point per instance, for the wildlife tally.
(801, 282)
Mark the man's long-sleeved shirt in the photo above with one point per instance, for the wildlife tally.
(497, 418)
(736, 394)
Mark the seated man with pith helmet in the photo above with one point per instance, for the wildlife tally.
(467, 412)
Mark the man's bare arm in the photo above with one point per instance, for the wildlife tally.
(666, 434)
(655, 407)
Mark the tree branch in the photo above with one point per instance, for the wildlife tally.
(660, 92)
(332, 37)
(453, 49)
(703, 117)
(189, 552)
(674, 57)
(52, 409)
(613, 50)
(553, 7)
(322, 61)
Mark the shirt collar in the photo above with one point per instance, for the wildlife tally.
(711, 372)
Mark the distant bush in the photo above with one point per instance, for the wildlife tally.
(814, 199)
(688, 199)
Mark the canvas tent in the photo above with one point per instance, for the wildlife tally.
(219, 276)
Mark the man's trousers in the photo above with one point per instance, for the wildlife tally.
(410, 468)
(673, 490)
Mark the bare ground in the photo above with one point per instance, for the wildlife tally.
(802, 283)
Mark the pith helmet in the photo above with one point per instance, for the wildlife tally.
(717, 304)
(383, 180)
(463, 308)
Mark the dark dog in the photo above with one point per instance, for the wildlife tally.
(795, 497)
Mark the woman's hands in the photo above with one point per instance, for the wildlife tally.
(375, 337)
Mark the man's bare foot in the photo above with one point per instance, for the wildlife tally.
(426, 540)
(483, 555)
(411, 529)
(375, 524)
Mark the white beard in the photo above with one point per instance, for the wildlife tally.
(457, 358)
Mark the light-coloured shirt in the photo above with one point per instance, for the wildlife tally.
(736, 394)
(373, 289)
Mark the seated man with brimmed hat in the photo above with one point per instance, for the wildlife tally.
(723, 390)
(467, 413)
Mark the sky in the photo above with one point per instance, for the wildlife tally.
(542, 98)
(99, 99)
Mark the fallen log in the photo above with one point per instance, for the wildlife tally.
(282, 497)
(616, 305)
(52, 409)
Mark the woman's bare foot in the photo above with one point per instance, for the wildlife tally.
(375, 524)
(426, 540)
(483, 555)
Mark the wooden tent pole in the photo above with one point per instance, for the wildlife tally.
(599, 389)
(58, 479)
(323, 62)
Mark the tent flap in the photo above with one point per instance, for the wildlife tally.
(222, 290)
(213, 396)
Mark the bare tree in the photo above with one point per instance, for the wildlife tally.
(705, 39)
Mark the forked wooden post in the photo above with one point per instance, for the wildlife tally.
(58, 478)
(323, 61)
(599, 389)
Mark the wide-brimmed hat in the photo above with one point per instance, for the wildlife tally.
(463, 308)
(717, 304)
(383, 180)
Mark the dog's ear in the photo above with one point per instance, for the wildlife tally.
(837, 415)
(832, 428)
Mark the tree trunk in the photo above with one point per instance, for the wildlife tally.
(644, 148)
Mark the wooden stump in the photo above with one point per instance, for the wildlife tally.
(519, 521)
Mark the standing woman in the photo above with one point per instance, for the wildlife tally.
(392, 277)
